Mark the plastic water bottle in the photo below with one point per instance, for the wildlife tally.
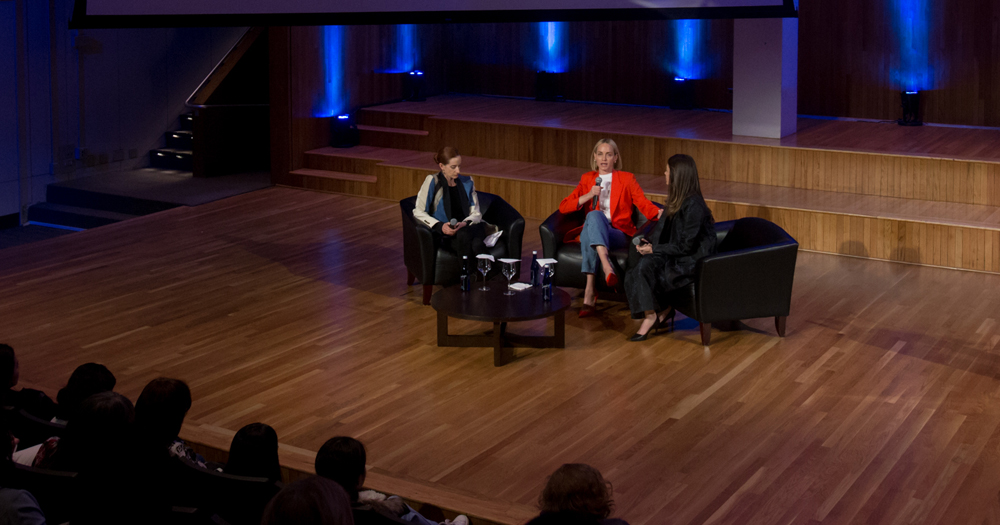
(465, 280)
(546, 284)
(534, 268)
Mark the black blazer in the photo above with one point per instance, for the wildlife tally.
(683, 239)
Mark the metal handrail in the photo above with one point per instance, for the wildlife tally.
(188, 102)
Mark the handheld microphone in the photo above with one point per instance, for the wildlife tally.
(453, 223)
(639, 241)
(595, 202)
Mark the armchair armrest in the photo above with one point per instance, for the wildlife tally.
(419, 251)
(555, 228)
(508, 219)
(747, 283)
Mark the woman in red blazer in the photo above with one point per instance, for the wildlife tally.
(609, 224)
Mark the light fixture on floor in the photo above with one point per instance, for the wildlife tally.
(413, 86)
(548, 86)
(681, 93)
(910, 101)
(344, 132)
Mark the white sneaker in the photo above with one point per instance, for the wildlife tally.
(461, 519)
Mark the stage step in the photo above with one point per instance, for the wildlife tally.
(864, 158)
(68, 195)
(954, 235)
(187, 122)
(336, 175)
(73, 216)
(172, 159)
(399, 131)
(182, 140)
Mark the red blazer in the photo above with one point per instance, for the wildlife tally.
(625, 192)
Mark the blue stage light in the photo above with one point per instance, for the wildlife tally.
(407, 55)
(911, 23)
(687, 61)
(332, 98)
(552, 47)
(343, 117)
(679, 79)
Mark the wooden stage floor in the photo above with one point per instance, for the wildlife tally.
(290, 307)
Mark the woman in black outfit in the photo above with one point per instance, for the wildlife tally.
(685, 234)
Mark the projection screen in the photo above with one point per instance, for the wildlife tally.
(111, 13)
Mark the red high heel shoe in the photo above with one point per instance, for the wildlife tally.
(611, 279)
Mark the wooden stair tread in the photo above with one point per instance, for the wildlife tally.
(937, 142)
(401, 131)
(915, 210)
(339, 175)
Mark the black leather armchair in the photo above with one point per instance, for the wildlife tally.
(568, 274)
(750, 276)
(429, 263)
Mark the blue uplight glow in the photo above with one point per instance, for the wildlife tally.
(688, 60)
(911, 23)
(407, 54)
(552, 56)
(343, 117)
(332, 99)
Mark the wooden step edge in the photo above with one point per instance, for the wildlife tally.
(337, 175)
(399, 131)
(297, 463)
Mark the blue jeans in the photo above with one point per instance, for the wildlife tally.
(598, 231)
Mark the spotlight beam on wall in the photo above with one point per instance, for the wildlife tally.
(333, 97)
(552, 56)
(688, 60)
(911, 23)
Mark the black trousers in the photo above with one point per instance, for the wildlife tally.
(643, 288)
(467, 241)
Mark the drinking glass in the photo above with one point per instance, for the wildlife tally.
(508, 272)
(484, 267)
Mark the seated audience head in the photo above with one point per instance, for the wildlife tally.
(10, 371)
(449, 161)
(88, 379)
(577, 487)
(682, 181)
(160, 410)
(254, 452)
(606, 157)
(99, 435)
(565, 517)
(343, 459)
(310, 501)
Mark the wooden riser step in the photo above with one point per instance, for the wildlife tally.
(861, 160)
(336, 175)
(922, 232)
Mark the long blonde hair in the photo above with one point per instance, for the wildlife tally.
(683, 182)
(614, 148)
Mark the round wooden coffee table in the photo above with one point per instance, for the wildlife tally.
(492, 306)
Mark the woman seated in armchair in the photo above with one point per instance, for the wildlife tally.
(606, 195)
(448, 205)
(668, 258)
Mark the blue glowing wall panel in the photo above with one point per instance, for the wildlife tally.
(552, 52)
(407, 53)
(911, 24)
(689, 59)
(333, 97)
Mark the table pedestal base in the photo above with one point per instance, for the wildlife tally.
(502, 341)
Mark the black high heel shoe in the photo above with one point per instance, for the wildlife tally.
(662, 323)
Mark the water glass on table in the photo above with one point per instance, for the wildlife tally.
(484, 265)
(508, 271)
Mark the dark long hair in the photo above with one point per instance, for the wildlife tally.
(160, 410)
(254, 452)
(577, 487)
(342, 459)
(88, 379)
(683, 182)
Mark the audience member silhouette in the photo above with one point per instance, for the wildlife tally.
(310, 501)
(254, 452)
(17, 507)
(88, 379)
(576, 487)
(34, 402)
(159, 415)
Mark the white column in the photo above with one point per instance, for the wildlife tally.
(765, 76)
